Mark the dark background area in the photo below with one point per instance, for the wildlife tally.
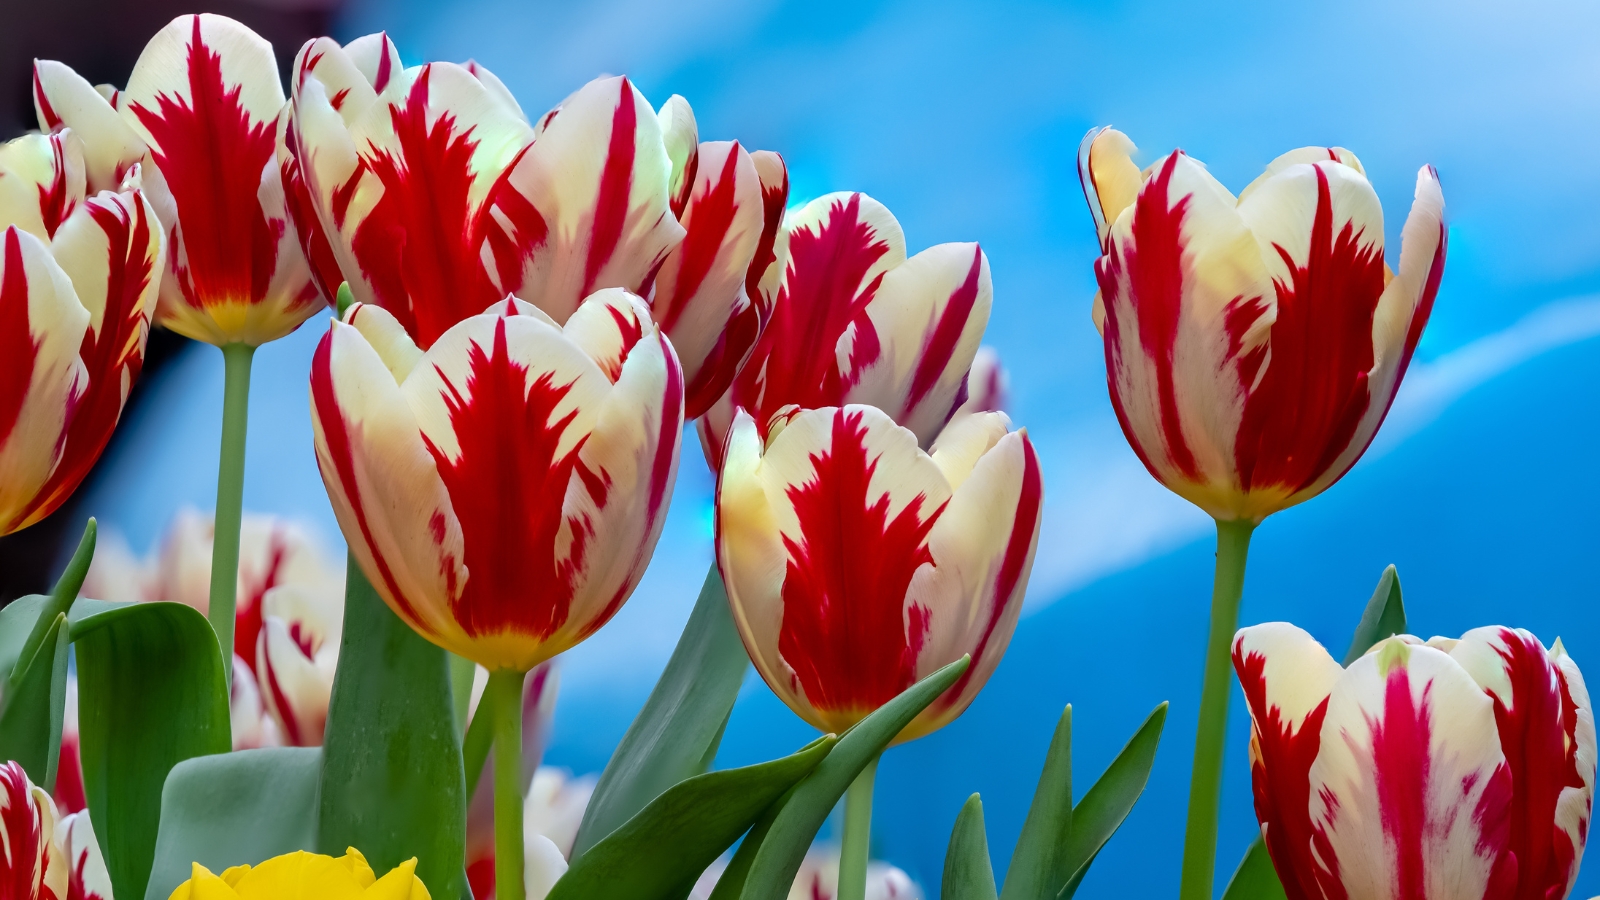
(102, 40)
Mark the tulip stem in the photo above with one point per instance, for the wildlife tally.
(1205, 780)
(856, 844)
(230, 499)
(504, 694)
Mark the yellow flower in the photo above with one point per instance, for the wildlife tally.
(305, 876)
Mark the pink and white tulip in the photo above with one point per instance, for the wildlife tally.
(1452, 768)
(79, 273)
(857, 563)
(856, 321)
(1255, 343)
(200, 110)
(504, 489)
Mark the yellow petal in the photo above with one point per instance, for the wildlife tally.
(401, 883)
(298, 875)
(232, 874)
(202, 885)
(359, 867)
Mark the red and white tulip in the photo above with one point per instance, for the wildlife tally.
(200, 110)
(857, 563)
(87, 877)
(502, 490)
(855, 321)
(1454, 768)
(297, 654)
(32, 866)
(79, 274)
(1254, 343)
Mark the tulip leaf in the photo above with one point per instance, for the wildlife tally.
(233, 809)
(659, 853)
(776, 858)
(392, 783)
(31, 711)
(1384, 617)
(150, 695)
(16, 624)
(1109, 800)
(968, 874)
(1255, 878)
(1037, 860)
(676, 734)
(59, 600)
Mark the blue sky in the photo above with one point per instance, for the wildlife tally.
(964, 119)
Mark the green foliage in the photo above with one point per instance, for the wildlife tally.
(1255, 878)
(392, 784)
(1037, 862)
(1109, 800)
(766, 867)
(676, 734)
(150, 695)
(235, 808)
(967, 873)
(1384, 617)
(660, 853)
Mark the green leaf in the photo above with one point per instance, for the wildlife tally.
(675, 735)
(233, 809)
(462, 671)
(1255, 878)
(1385, 616)
(60, 599)
(661, 852)
(783, 847)
(392, 784)
(1109, 800)
(31, 712)
(1036, 863)
(16, 623)
(150, 695)
(967, 872)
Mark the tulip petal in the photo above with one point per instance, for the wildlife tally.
(41, 181)
(1303, 156)
(598, 176)
(32, 866)
(63, 99)
(349, 90)
(87, 877)
(324, 265)
(1109, 177)
(42, 325)
(1410, 792)
(497, 89)
(296, 654)
(681, 136)
(929, 314)
(386, 337)
(376, 58)
(766, 267)
(607, 326)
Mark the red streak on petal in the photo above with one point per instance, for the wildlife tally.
(18, 347)
(1311, 397)
(325, 271)
(941, 342)
(247, 617)
(774, 197)
(824, 293)
(52, 119)
(1430, 290)
(1280, 768)
(24, 862)
(335, 431)
(507, 485)
(845, 631)
(56, 203)
(616, 185)
(212, 156)
(1542, 761)
(113, 356)
(709, 216)
(385, 65)
(517, 231)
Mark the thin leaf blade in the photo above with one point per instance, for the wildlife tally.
(1109, 800)
(1035, 862)
(1255, 879)
(31, 710)
(1384, 617)
(968, 874)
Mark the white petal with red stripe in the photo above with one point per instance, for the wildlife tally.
(1109, 177)
(87, 876)
(296, 656)
(31, 861)
(63, 99)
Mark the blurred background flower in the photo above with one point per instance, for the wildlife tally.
(965, 119)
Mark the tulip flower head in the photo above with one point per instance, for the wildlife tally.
(856, 321)
(79, 274)
(502, 490)
(310, 876)
(32, 866)
(856, 563)
(87, 877)
(1451, 768)
(1254, 344)
(200, 114)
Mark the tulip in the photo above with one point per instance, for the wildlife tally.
(201, 109)
(855, 321)
(502, 490)
(87, 877)
(297, 654)
(78, 285)
(253, 727)
(856, 563)
(32, 866)
(1452, 768)
(310, 876)
(68, 791)
(1253, 346)
(818, 879)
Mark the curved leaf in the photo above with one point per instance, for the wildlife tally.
(233, 809)
(661, 852)
(1384, 617)
(1255, 878)
(392, 783)
(968, 874)
(150, 695)
(787, 837)
(31, 711)
(1036, 863)
(675, 735)
(1109, 800)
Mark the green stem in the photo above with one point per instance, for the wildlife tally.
(230, 498)
(856, 845)
(504, 694)
(1205, 781)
